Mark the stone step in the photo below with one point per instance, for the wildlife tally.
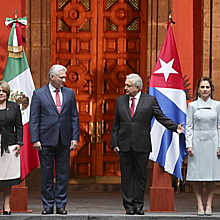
(158, 216)
(94, 187)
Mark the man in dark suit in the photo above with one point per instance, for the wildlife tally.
(54, 130)
(131, 138)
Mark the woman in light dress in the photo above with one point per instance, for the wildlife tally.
(11, 139)
(203, 143)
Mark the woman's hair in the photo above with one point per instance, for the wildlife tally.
(5, 87)
(204, 78)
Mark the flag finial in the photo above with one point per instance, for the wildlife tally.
(16, 14)
(170, 19)
(170, 15)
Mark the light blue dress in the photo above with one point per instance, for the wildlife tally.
(203, 135)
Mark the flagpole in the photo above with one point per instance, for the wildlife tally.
(19, 193)
(170, 21)
(170, 16)
(21, 188)
(162, 192)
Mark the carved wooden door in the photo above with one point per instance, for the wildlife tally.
(100, 42)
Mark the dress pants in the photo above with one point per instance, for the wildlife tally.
(49, 192)
(133, 167)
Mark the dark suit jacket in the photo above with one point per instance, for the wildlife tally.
(13, 124)
(46, 124)
(134, 132)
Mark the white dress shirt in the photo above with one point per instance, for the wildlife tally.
(53, 93)
(136, 100)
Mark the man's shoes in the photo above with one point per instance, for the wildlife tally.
(129, 212)
(139, 211)
(61, 211)
(47, 211)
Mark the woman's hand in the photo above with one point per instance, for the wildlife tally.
(17, 150)
(190, 151)
(218, 152)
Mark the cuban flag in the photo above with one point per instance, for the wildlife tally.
(166, 84)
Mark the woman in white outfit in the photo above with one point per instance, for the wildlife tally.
(11, 138)
(203, 143)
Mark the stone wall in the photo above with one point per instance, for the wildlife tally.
(211, 43)
(38, 39)
(38, 36)
(158, 14)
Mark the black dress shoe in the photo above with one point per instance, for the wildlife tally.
(139, 211)
(6, 212)
(129, 212)
(47, 211)
(61, 211)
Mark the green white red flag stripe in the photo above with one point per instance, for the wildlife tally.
(17, 74)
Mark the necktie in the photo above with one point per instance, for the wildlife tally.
(58, 103)
(132, 107)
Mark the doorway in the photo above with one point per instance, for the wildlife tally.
(99, 42)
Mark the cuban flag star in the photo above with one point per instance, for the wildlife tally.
(166, 84)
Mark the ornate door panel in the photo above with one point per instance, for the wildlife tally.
(74, 45)
(100, 42)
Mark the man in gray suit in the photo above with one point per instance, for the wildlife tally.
(54, 130)
(131, 138)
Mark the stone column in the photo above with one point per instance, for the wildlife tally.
(38, 39)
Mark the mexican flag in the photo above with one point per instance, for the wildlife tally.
(18, 76)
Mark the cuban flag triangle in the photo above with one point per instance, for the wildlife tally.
(166, 84)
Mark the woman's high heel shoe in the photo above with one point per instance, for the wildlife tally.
(208, 211)
(6, 212)
(200, 212)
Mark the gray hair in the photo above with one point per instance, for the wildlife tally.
(55, 69)
(137, 80)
